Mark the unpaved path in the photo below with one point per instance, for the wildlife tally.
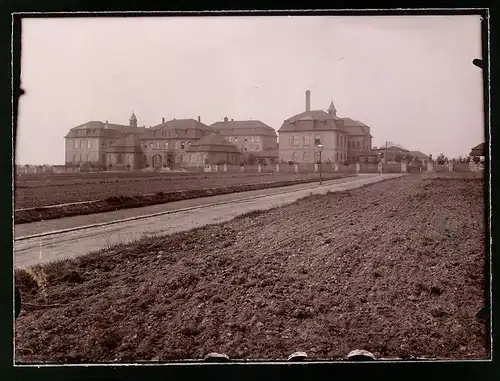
(71, 244)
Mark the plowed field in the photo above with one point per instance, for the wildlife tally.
(51, 191)
(395, 268)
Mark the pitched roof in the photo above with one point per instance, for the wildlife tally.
(355, 127)
(213, 143)
(478, 150)
(243, 127)
(314, 120)
(96, 128)
(419, 155)
(181, 124)
(133, 117)
(126, 144)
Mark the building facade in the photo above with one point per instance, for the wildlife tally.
(90, 142)
(257, 141)
(125, 147)
(341, 138)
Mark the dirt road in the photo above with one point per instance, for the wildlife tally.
(71, 244)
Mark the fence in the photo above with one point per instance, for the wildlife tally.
(368, 168)
(391, 168)
(272, 168)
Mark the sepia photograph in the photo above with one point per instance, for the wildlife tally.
(238, 188)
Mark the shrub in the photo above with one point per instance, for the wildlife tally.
(476, 159)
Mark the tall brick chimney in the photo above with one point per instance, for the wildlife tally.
(163, 120)
(308, 100)
(199, 119)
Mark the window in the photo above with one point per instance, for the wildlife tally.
(129, 159)
(257, 147)
(295, 140)
(306, 140)
(246, 138)
(306, 157)
(236, 139)
(189, 144)
(151, 145)
(176, 145)
(348, 144)
(338, 138)
(253, 138)
(230, 138)
(295, 157)
(158, 145)
(166, 145)
(317, 142)
(357, 144)
(145, 145)
(257, 138)
(337, 157)
(103, 145)
(182, 145)
(74, 159)
(81, 143)
(76, 143)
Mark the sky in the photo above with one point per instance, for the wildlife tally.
(410, 78)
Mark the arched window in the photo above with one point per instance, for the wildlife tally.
(295, 157)
(338, 157)
(306, 157)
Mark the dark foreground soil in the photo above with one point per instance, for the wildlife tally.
(395, 268)
(121, 201)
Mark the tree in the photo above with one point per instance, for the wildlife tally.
(476, 159)
(398, 158)
(441, 159)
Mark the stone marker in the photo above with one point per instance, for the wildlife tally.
(216, 357)
(360, 355)
(297, 356)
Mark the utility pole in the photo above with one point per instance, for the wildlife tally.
(385, 156)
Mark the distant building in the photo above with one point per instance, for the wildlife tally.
(478, 151)
(391, 153)
(256, 140)
(342, 138)
(89, 142)
(213, 149)
(103, 144)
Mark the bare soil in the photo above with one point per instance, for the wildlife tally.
(123, 198)
(57, 189)
(395, 268)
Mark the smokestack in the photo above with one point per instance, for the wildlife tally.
(163, 120)
(199, 119)
(308, 100)
(225, 119)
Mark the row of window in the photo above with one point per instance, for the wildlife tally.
(306, 140)
(82, 143)
(306, 157)
(356, 144)
(245, 139)
(166, 145)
